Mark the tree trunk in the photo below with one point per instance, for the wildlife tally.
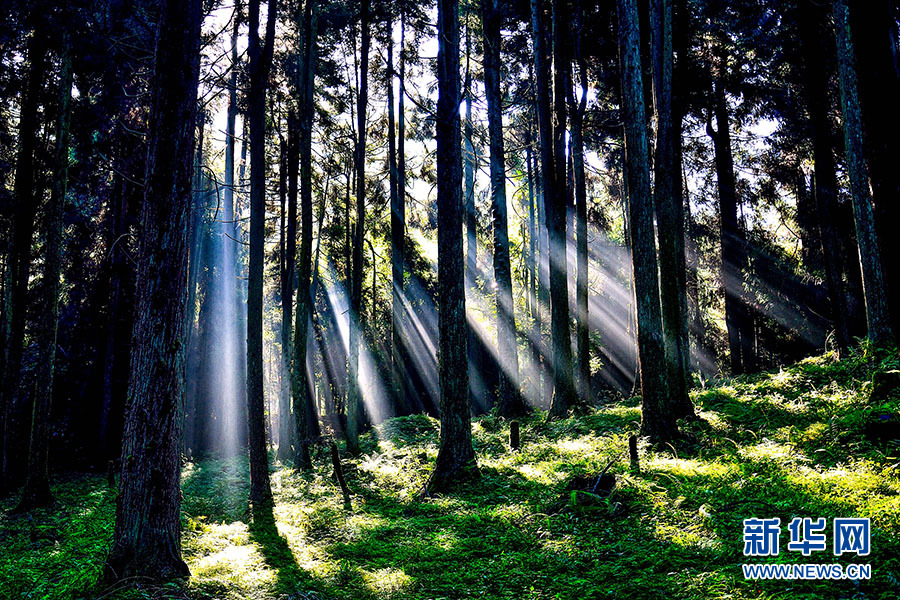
(657, 421)
(471, 219)
(509, 400)
(18, 263)
(812, 34)
(874, 25)
(398, 232)
(669, 211)
(37, 482)
(147, 539)
(576, 144)
(456, 455)
(877, 313)
(354, 395)
(734, 243)
(533, 265)
(260, 62)
(288, 282)
(300, 382)
(553, 179)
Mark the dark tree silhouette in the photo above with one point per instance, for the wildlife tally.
(456, 455)
(509, 400)
(657, 422)
(147, 540)
(260, 63)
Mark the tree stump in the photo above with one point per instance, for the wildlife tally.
(633, 453)
(514, 435)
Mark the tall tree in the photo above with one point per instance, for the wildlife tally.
(18, 260)
(577, 110)
(456, 455)
(288, 281)
(874, 24)
(260, 62)
(877, 313)
(354, 396)
(669, 210)
(733, 240)
(398, 230)
(471, 212)
(509, 401)
(812, 35)
(147, 539)
(657, 421)
(553, 179)
(303, 400)
(37, 482)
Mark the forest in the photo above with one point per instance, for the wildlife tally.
(449, 299)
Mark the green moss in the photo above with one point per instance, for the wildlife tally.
(783, 444)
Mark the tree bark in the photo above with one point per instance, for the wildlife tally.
(533, 266)
(19, 259)
(147, 539)
(576, 144)
(733, 240)
(877, 312)
(301, 384)
(456, 456)
(669, 211)
(354, 395)
(564, 396)
(874, 25)
(553, 179)
(509, 400)
(471, 217)
(37, 481)
(260, 63)
(289, 279)
(657, 421)
(812, 34)
(398, 233)
(400, 344)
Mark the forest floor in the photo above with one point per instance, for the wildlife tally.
(797, 442)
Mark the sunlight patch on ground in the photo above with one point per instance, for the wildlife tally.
(239, 569)
(689, 467)
(386, 583)
(771, 451)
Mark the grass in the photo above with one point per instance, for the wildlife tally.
(783, 444)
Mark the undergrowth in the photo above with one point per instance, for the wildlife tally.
(783, 444)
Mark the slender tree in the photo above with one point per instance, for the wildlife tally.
(354, 396)
(260, 62)
(812, 39)
(398, 229)
(877, 313)
(288, 282)
(303, 400)
(456, 455)
(553, 180)
(398, 232)
(577, 110)
(669, 211)
(18, 260)
(733, 240)
(657, 422)
(509, 400)
(471, 212)
(37, 481)
(147, 539)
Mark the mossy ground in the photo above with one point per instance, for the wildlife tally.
(784, 444)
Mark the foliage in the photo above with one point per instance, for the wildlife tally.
(781, 444)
